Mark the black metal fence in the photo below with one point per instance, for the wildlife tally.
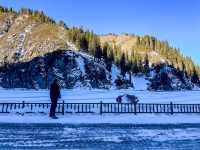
(100, 108)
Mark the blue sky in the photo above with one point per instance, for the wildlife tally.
(177, 21)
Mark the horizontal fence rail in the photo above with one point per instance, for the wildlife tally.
(100, 108)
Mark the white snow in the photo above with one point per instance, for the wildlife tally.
(86, 55)
(71, 46)
(97, 95)
(81, 64)
(21, 40)
(114, 72)
(105, 118)
(57, 73)
(140, 83)
(196, 87)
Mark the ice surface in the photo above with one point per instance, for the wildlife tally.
(97, 95)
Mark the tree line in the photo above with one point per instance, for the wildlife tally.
(132, 60)
(39, 15)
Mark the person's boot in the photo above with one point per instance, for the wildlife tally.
(54, 117)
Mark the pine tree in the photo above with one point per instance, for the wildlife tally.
(195, 77)
(111, 55)
(105, 51)
(83, 43)
(138, 41)
(135, 66)
(123, 65)
(98, 53)
(110, 59)
(128, 66)
(62, 24)
(140, 66)
(146, 64)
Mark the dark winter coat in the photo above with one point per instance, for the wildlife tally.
(54, 91)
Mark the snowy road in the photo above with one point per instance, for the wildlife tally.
(98, 137)
(95, 95)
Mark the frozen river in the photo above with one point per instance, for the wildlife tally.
(97, 95)
(101, 136)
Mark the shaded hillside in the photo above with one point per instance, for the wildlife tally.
(70, 68)
(76, 69)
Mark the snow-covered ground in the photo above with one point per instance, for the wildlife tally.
(97, 95)
(103, 119)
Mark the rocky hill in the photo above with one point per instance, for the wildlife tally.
(76, 69)
(29, 56)
(72, 69)
(23, 37)
(128, 43)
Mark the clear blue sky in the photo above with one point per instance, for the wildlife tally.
(177, 21)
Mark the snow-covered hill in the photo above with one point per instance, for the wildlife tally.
(77, 69)
(71, 68)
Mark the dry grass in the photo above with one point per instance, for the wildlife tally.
(126, 42)
(46, 37)
(42, 38)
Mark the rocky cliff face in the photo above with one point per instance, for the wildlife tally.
(70, 68)
(166, 77)
(75, 69)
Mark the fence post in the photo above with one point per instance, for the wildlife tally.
(23, 105)
(101, 103)
(135, 108)
(171, 108)
(2, 107)
(63, 108)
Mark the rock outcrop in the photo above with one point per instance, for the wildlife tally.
(70, 68)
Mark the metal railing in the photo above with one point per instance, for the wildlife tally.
(100, 108)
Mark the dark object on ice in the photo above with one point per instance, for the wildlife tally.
(127, 99)
(54, 95)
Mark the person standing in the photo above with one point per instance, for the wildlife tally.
(54, 95)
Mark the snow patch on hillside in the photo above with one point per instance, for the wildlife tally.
(71, 46)
(87, 56)
(20, 50)
(140, 83)
(81, 64)
(196, 87)
(57, 73)
(115, 72)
